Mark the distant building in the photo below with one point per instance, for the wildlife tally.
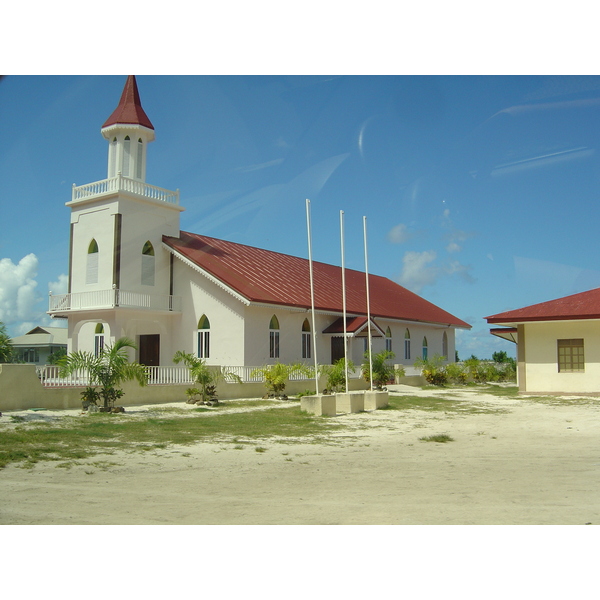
(558, 344)
(133, 273)
(38, 344)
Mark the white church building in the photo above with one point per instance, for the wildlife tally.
(134, 273)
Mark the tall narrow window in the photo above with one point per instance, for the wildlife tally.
(445, 345)
(98, 340)
(91, 272)
(148, 264)
(570, 356)
(203, 337)
(407, 345)
(424, 348)
(112, 157)
(306, 339)
(126, 155)
(140, 154)
(274, 337)
(388, 339)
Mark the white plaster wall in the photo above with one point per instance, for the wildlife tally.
(542, 357)
(224, 312)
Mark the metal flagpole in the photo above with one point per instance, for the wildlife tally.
(368, 303)
(312, 295)
(344, 299)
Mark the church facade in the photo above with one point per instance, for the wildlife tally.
(134, 273)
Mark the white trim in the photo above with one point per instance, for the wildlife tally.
(208, 276)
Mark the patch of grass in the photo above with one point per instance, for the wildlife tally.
(441, 405)
(260, 449)
(82, 437)
(440, 438)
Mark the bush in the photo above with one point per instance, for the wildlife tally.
(433, 369)
(336, 375)
(456, 373)
(383, 372)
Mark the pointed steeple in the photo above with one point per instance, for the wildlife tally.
(128, 131)
(129, 111)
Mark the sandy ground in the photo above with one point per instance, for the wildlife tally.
(534, 464)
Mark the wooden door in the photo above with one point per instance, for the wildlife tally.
(337, 349)
(149, 349)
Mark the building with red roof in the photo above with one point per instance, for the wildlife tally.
(134, 273)
(558, 343)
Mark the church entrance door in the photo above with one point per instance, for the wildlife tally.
(149, 348)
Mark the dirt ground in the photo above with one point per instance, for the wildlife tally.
(533, 464)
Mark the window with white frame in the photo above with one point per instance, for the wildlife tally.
(306, 353)
(274, 337)
(388, 340)
(445, 345)
(98, 339)
(425, 349)
(203, 337)
(407, 344)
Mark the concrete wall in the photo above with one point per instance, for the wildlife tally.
(21, 389)
(540, 357)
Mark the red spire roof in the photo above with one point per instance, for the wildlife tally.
(272, 278)
(585, 305)
(129, 111)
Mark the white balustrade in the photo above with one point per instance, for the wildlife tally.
(124, 184)
(112, 298)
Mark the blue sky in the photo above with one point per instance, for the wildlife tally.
(480, 192)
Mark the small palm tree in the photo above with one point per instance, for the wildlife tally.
(336, 375)
(383, 372)
(276, 376)
(107, 370)
(206, 377)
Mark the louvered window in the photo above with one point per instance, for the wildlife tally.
(91, 273)
(274, 338)
(306, 339)
(140, 153)
(126, 156)
(203, 337)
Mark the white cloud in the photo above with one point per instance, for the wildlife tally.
(453, 247)
(18, 289)
(399, 234)
(419, 270)
(60, 286)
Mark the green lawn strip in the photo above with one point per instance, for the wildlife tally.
(82, 437)
(437, 404)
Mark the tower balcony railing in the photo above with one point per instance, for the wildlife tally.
(124, 184)
(113, 298)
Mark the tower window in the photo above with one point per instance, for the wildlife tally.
(148, 264)
(140, 154)
(91, 272)
(126, 155)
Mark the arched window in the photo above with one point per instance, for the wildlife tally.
(148, 264)
(91, 272)
(98, 339)
(306, 339)
(407, 345)
(112, 158)
(203, 337)
(424, 348)
(445, 345)
(126, 155)
(388, 339)
(274, 337)
(140, 154)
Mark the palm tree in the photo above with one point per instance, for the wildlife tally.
(107, 370)
(6, 349)
(275, 376)
(206, 377)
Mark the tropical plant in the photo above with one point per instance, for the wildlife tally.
(206, 377)
(6, 349)
(56, 356)
(383, 372)
(456, 373)
(276, 376)
(107, 370)
(336, 375)
(433, 369)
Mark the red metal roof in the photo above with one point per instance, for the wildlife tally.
(585, 305)
(129, 111)
(269, 277)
